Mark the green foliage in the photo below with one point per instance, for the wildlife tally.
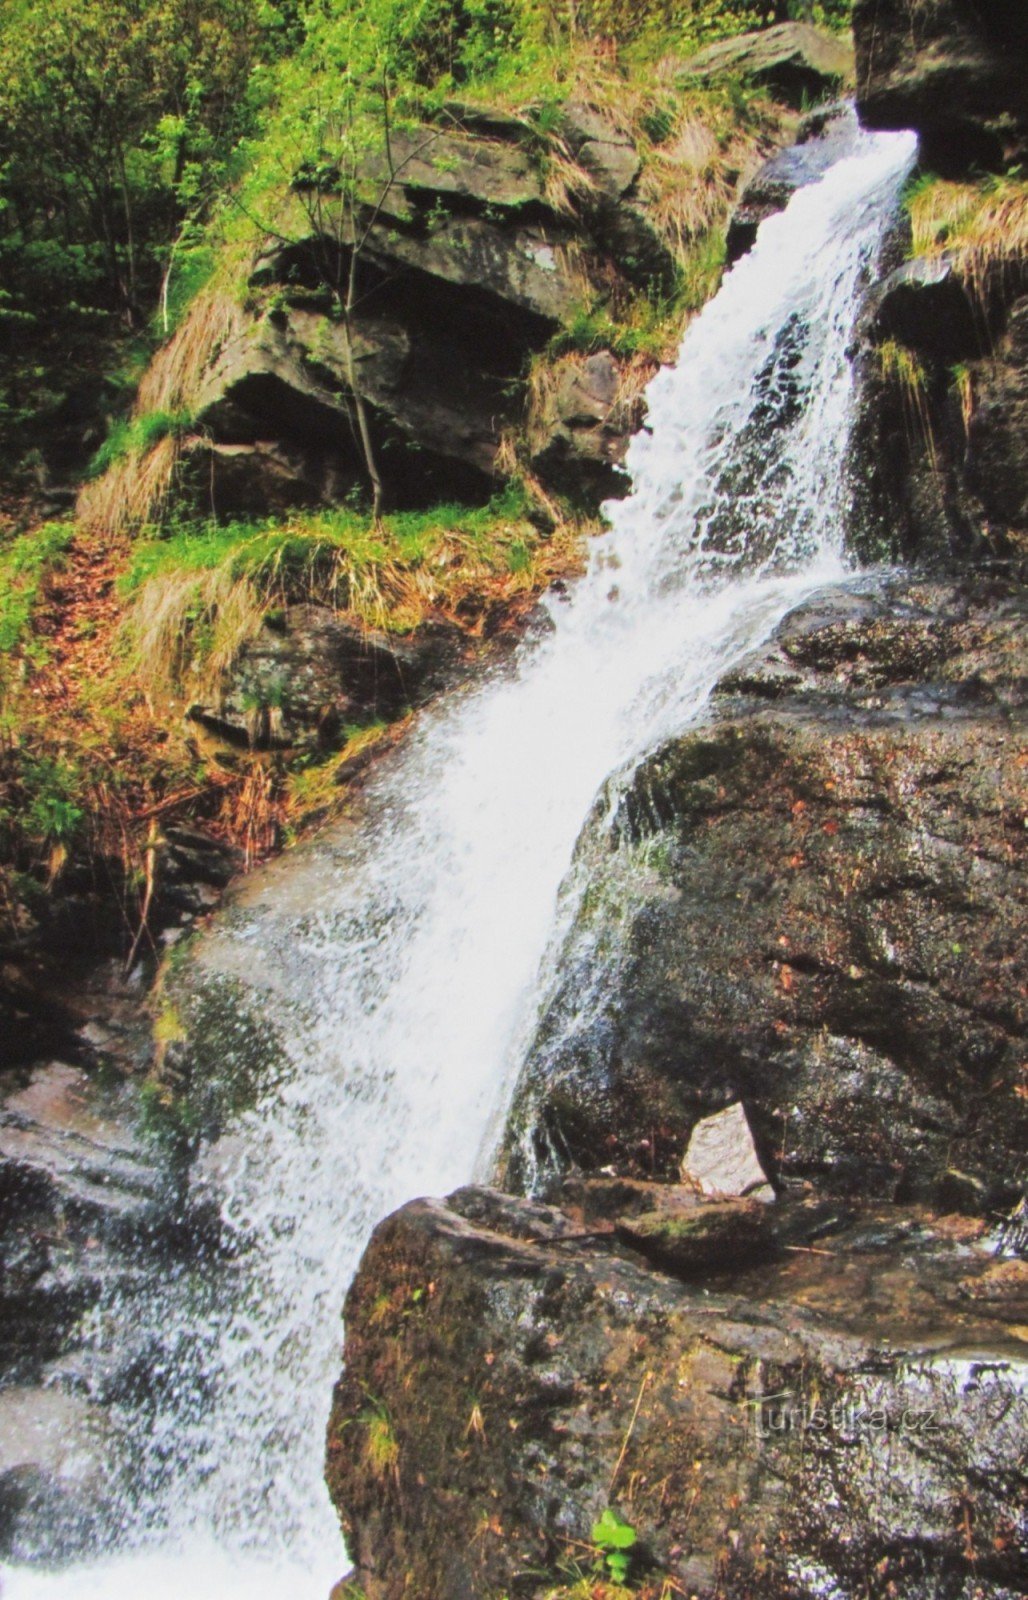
(52, 790)
(615, 1539)
(24, 565)
(136, 437)
(121, 121)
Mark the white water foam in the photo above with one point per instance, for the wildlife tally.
(402, 961)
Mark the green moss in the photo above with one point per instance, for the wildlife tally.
(216, 1055)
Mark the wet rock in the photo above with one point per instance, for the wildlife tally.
(940, 468)
(799, 1428)
(997, 431)
(57, 1130)
(722, 1159)
(309, 671)
(51, 1473)
(794, 60)
(925, 305)
(193, 870)
(819, 143)
(699, 1236)
(76, 1183)
(812, 905)
(955, 72)
(586, 432)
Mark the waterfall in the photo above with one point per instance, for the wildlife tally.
(401, 962)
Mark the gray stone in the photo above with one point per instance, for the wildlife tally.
(585, 432)
(57, 1130)
(819, 143)
(794, 60)
(721, 1158)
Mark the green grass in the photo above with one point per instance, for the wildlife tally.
(24, 565)
(136, 437)
(195, 597)
(304, 553)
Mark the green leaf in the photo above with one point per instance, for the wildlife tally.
(618, 1565)
(612, 1532)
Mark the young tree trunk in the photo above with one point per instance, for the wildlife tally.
(359, 404)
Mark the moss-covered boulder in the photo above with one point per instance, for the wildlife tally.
(794, 59)
(490, 237)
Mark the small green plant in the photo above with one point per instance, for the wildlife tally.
(137, 437)
(615, 1539)
(381, 1445)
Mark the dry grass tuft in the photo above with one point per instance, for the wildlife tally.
(633, 379)
(981, 227)
(137, 489)
(567, 187)
(173, 612)
(901, 368)
(175, 374)
(133, 491)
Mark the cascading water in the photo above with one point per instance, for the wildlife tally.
(399, 962)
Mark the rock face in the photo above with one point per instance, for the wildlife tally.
(506, 1381)
(75, 1180)
(955, 70)
(939, 455)
(800, 955)
(941, 465)
(310, 671)
(472, 263)
(586, 428)
(816, 905)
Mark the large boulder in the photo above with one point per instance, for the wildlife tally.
(794, 60)
(471, 261)
(812, 904)
(954, 70)
(845, 1419)
(310, 671)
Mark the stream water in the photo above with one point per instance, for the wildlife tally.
(401, 963)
